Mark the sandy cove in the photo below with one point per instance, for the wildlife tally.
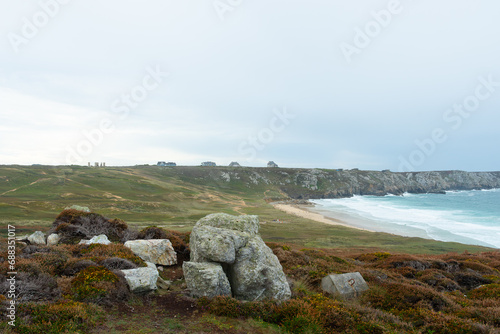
(301, 211)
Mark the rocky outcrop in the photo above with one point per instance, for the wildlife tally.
(142, 279)
(229, 257)
(158, 251)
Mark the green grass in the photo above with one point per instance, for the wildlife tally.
(176, 198)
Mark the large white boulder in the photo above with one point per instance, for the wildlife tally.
(233, 244)
(98, 239)
(206, 279)
(142, 279)
(158, 251)
(37, 238)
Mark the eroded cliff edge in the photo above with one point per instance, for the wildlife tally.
(324, 183)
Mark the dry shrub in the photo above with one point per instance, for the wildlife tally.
(114, 263)
(64, 284)
(152, 232)
(73, 225)
(32, 249)
(30, 287)
(75, 265)
(70, 234)
(50, 263)
(28, 265)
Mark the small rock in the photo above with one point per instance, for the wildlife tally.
(163, 284)
(157, 251)
(142, 279)
(348, 286)
(98, 239)
(160, 268)
(53, 239)
(37, 238)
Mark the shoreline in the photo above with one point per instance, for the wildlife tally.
(303, 212)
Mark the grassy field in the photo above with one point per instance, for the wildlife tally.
(176, 198)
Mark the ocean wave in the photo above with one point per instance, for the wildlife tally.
(459, 218)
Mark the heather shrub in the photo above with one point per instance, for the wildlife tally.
(373, 257)
(486, 291)
(55, 318)
(98, 285)
(398, 261)
(27, 265)
(50, 263)
(404, 296)
(438, 280)
(470, 280)
(99, 252)
(488, 315)
(477, 267)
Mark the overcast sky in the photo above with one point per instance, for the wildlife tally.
(400, 85)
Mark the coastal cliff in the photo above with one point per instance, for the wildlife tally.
(324, 183)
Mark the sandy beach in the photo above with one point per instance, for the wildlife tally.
(302, 211)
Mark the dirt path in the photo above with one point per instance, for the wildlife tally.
(27, 185)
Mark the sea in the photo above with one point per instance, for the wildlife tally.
(468, 217)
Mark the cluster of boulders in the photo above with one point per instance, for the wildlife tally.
(229, 258)
(153, 252)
